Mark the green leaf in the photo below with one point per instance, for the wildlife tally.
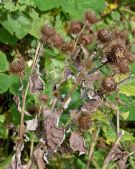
(38, 22)
(45, 5)
(6, 37)
(128, 88)
(15, 85)
(17, 23)
(3, 131)
(4, 82)
(2, 118)
(3, 62)
(76, 8)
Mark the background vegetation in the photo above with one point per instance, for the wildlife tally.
(20, 31)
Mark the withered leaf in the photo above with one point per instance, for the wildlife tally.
(39, 157)
(54, 134)
(36, 84)
(77, 142)
(92, 105)
(31, 125)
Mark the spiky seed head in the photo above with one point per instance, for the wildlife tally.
(90, 17)
(123, 66)
(75, 27)
(109, 84)
(85, 39)
(104, 35)
(84, 121)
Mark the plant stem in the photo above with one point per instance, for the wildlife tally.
(24, 95)
(108, 158)
(91, 150)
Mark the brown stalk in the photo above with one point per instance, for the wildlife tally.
(108, 158)
(24, 95)
(91, 150)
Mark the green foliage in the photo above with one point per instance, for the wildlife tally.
(3, 62)
(4, 82)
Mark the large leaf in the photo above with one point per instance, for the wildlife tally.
(15, 85)
(38, 22)
(6, 37)
(3, 62)
(45, 5)
(128, 88)
(17, 23)
(4, 82)
(76, 8)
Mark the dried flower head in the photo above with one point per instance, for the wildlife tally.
(84, 121)
(75, 27)
(47, 31)
(57, 40)
(17, 66)
(104, 35)
(90, 17)
(109, 84)
(123, 66)
(85, 39)
(111, 58)
(67, 47)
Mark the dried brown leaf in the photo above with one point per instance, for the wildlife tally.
(39, 157)
(77, 142)
(36, 84)
(54, 134)
(31, 125)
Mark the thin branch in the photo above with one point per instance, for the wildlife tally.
(91, 150)
(108, 158)
(21, 131)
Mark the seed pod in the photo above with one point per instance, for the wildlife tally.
(84, 121)
(57, 40)
(90, 17)
(75, 27)
(47, 31)
(104, 35)
(85, 39)
(118, 50)
(109, 84)
(67, 47)
(111, 58)
(17, 66)
(123, 66)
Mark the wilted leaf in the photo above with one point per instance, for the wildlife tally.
(39, 154)
(36, 84)
(54, 134)
(77, 142)
(92, 105)
(31, 125)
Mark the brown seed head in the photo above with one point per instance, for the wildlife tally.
(84, 121)
(75, 27)
(85, 39)
(57, 40)
(109, 84)
(104, 35)
(118, 50)
(47, 31)
(90, 17)
(123, 66)
(17, 66)
(68, 47)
